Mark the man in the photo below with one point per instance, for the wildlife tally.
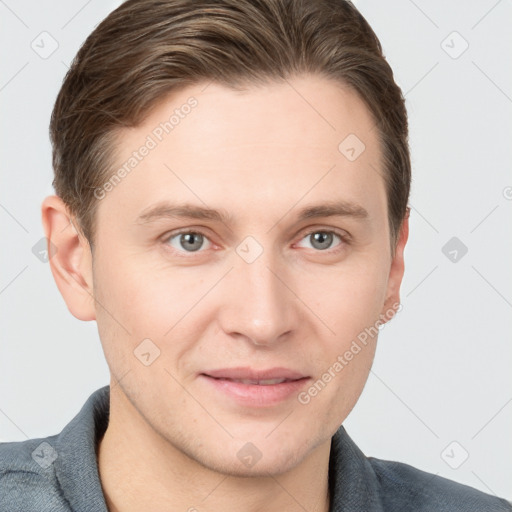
(232, 183)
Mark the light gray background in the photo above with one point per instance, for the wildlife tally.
(443, 367)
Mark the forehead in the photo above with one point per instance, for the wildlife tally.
(278, 145)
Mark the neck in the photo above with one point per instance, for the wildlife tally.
(139, 469)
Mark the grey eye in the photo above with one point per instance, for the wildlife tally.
(321, 240)
(190, 241)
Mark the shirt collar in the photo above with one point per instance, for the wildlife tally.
(76, 466)
(353, 485)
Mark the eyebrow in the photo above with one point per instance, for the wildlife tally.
(166, 210)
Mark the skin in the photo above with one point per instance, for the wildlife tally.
(261, 155)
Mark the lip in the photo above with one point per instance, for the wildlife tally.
(226, 382)
(254, 374)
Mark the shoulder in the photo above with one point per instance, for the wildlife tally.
(27, 476)
(57, 473)
(405, 487)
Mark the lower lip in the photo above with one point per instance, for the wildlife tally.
(256, 395)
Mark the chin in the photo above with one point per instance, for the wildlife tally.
(272, 464)
(254, 456)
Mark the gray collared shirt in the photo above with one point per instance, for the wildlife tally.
(59, 473)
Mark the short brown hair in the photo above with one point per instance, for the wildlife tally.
(145, 49)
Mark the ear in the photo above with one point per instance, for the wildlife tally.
(396, 273)
(70, 258)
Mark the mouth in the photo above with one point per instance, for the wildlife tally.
(257, 382)
(254, 388)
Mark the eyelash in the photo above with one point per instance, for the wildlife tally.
(344, 237)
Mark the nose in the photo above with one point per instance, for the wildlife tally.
(258, 302)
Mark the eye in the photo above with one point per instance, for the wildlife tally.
(192, 241)
(187, 241)
(322, 239)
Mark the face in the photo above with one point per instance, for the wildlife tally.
(236, 267)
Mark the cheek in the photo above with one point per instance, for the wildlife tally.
(351, 308)
(349, 304)
(140, 303)
(134, 296)
(127, 309)
(349, 299)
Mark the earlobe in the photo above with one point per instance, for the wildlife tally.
(396, 272)
(70, 258)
